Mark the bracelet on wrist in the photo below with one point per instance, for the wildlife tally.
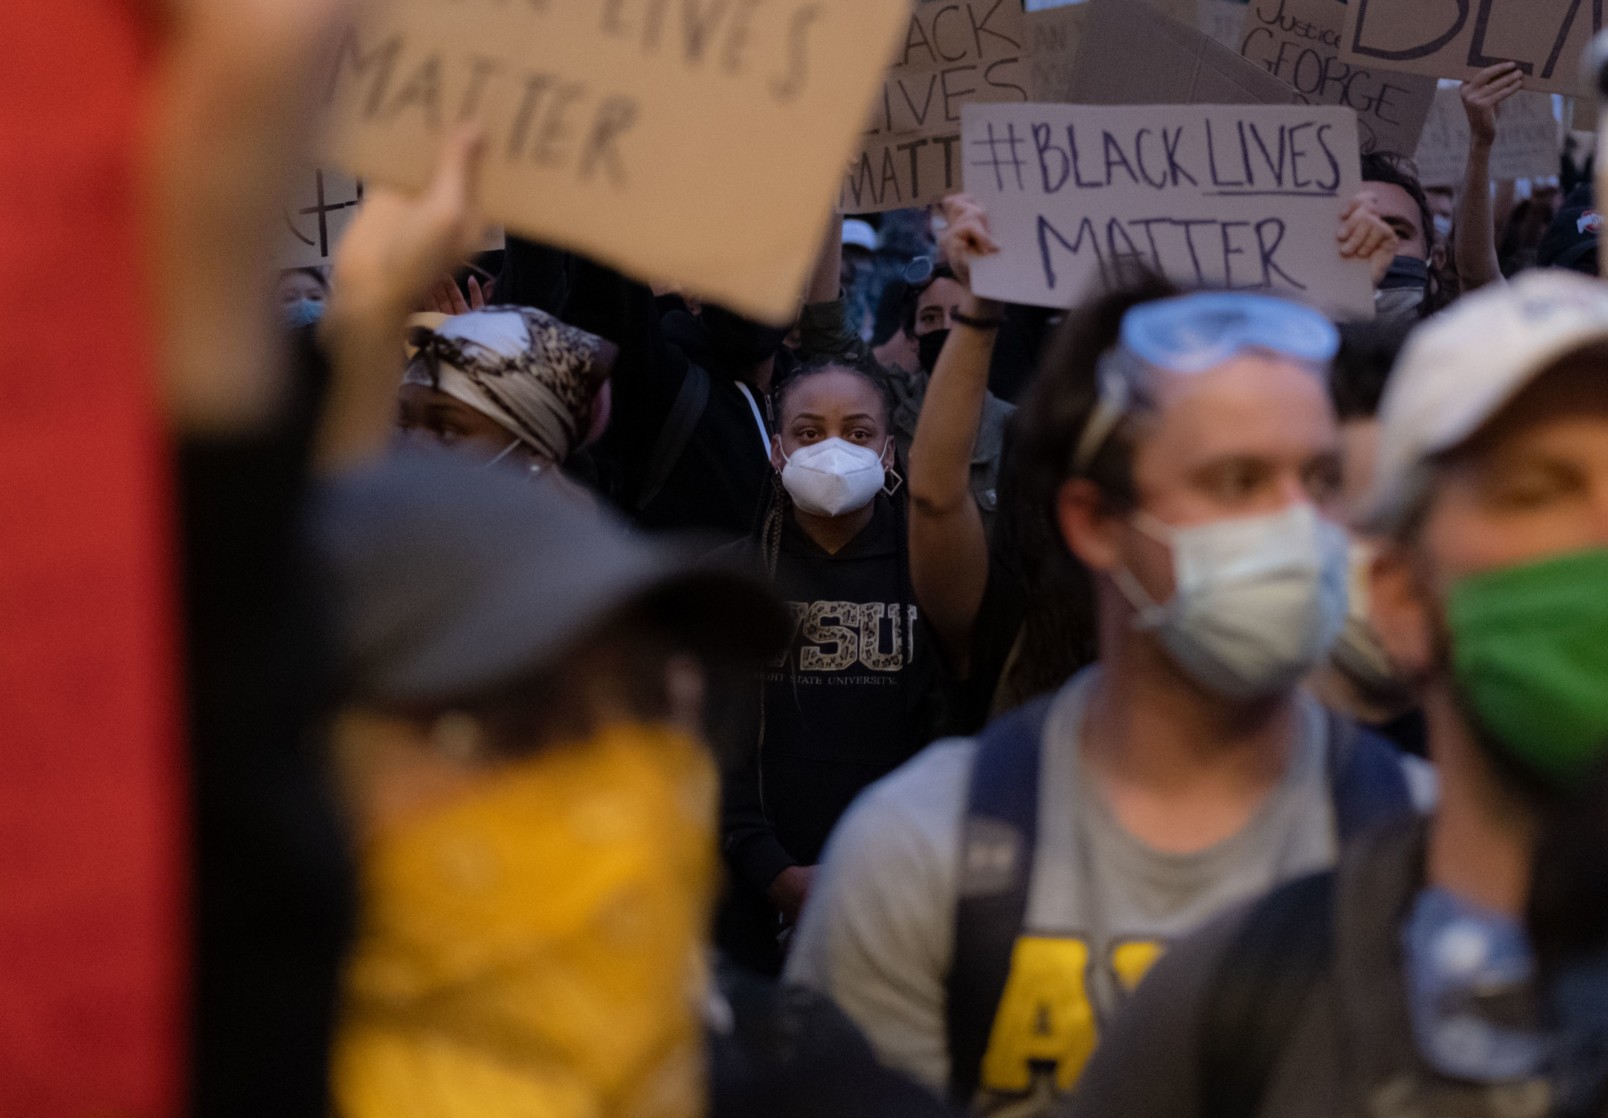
(976, 323)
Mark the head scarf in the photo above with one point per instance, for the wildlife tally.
(522, 368)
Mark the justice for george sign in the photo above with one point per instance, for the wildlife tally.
(1298, 41)
(1458, 38)
(693, 141)
(1240, 197)
(954, 52)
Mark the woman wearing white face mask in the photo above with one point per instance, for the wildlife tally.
(845, 706)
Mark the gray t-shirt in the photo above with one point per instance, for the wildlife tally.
(878, 932)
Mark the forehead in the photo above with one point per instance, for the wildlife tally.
(299, 281)
(942, 292)
(1395, 202)
(1253, 404)
(833, 393)
(1570, 397)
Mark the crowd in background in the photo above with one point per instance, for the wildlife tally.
(601, 703)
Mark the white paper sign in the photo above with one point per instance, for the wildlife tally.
(1246, 198)
(1528, 140)
(324, 202)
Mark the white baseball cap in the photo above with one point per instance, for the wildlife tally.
(859, 234)
(1462, 367)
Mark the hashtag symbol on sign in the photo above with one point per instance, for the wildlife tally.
(1003, 155)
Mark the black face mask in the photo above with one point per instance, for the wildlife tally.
(737, 342)
(929, 346)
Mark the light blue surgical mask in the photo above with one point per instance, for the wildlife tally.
(302, 312)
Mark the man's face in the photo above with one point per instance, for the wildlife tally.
(1401, 213)
(1250, 437)
(1533, 484)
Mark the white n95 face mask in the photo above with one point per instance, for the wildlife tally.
(1257, 601)
(833, 477)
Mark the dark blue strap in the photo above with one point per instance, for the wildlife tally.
(998, 837)
(1367, 779)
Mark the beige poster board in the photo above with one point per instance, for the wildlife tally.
(1053, 38)
(1528, 144)
(1458, 38)
(1130, 54)
(953, 52)
(1241, 197)
(323, 202)
(1298, 42)
(699, 142)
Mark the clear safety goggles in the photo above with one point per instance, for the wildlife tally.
(1194, 333)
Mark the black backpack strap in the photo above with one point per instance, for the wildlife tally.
(1366, 777)
(1284, 946)
(676, 432)
(998, 836)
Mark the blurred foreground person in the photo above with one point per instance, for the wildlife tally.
(1406, 983)
(521, 754)
(983, 912)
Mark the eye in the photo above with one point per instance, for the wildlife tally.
(1322, 480)
(1532, 486)
(861, 435)
(1237, 481)
(807, 434)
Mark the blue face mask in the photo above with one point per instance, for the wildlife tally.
(303, 312)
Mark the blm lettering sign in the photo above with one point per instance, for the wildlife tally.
(1458, 38)
(1298, 42)
(324, 202)
(696, 142)
(1528, 140)
(954, 52)
(1246, 198)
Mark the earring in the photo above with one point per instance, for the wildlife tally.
(893, 481)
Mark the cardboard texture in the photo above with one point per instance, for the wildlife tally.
(1242, 197)
(1298, 42)
(696, 142)
(324, 202)
(1132, 55)
(953, 52)
(1223, 21)
(1528, 144)
(1457, 40)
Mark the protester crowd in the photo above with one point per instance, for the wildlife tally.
(602, 703)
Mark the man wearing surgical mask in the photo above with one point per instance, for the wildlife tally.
(1428, 974)
(1416, 284)
(984, 912)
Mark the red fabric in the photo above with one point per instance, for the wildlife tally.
(92, 792)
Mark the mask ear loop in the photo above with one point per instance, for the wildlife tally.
(506, 451)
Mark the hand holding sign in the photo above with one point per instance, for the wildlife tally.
(1364, 235)
(1483, 96)
(965, 235)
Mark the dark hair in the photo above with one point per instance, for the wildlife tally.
(1058, 636)
(1397, 170)
(866, 372)
(915, 291)
(1368, 352)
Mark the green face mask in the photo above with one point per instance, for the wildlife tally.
(1530, 656)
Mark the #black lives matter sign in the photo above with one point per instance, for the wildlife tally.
(1458, 38)
(1298, 42)
(954, 53)
(694, 141)
(1246, 198)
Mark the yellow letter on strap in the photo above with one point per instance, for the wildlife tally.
(1044, 1016)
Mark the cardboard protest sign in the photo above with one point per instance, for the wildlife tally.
(1547, 38)
(324, 201)
(698, 142)
(1528, 140)
(1298, 42)
(1240, 197)
(1131, 54)
(1055, 34)
(953, 52)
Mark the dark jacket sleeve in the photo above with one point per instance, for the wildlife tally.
(747, 837)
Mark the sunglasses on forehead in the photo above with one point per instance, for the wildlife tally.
(1191, 334)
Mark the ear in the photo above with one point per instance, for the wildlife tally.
(890, 454)
(776, 458)
(1403, 611)
(1437, 256)
(1090, 532)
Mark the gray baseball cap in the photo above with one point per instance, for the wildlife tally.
(447, 582)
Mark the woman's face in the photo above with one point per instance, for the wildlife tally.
(832, 405)
(297, 286)
(427, 414)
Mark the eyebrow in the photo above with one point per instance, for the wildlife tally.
(860, 415)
